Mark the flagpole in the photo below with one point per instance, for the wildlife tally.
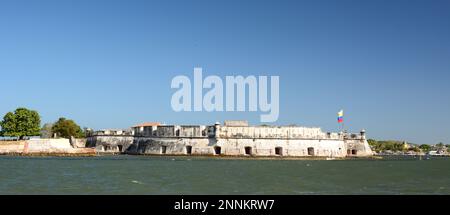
(343, 124)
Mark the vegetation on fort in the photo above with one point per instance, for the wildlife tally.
(67, 128)
(21, 123)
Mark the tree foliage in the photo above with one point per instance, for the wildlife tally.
(389, 145)
(67, 128)
(425, 147)
(46, 130)
(21, 123)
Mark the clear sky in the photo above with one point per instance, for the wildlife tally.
(109, 64)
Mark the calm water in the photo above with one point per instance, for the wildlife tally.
(179, 175)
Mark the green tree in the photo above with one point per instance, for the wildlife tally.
(374, 145)
(21, 123)
(425, 147)
(372, 142)
(46, 130)
(67, 128)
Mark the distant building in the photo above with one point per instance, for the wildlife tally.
(145, 128)
(113, 132)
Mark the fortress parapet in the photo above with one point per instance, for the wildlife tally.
(235, 130)
(113, 132)
(274, 132)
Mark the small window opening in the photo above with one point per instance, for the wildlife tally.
(279, 151)
(217, 150)
(248, 150)
(188, 150)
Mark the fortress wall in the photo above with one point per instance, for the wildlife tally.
(360, 145)
(110, 143)
(78, 142)
(7, 147)
(237, 147)
(173, 146)
(48, 145)
(42, 146)
(267, 147)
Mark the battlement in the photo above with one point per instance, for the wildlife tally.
(273, 132)
(234, 129)
(231, 130)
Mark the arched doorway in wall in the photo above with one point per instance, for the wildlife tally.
(311, 151)
(354, 152)
(120, 148)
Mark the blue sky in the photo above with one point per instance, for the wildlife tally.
(109, 64)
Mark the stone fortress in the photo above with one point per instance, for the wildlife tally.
(233, 138)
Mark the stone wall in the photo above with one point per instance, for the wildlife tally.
(8, 147)
(358, 148)
(78, 142)
(165, 131)
(42, 146)
(192, 131)
(238, 147)
(110, 143)
(279, 132)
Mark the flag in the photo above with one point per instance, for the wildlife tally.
(341, 116)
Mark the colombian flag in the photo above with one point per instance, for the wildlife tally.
(341, 116)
